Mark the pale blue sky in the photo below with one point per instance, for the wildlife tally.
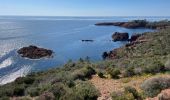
(85, 7)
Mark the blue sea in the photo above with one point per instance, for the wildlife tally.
(63, 35)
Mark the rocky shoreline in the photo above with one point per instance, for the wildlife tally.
(134, 39)
(135, 24)
(136, 71)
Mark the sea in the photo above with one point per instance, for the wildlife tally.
(61, 34)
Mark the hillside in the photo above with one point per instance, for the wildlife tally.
(132, 68)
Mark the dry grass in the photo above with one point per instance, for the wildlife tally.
(107, 86)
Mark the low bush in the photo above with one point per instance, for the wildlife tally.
(134, 92)
(100, 74)
(59, 90)
(4, 98)
(119, 95)
(155, 67)
(128, 72)
(113, 72)
(83, 73)
(154, 85)
(86, 91)
(26, 80)
(6, 91)
(19, 90)
(32, 91)
(167, 65)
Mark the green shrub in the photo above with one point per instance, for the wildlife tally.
(33, 91)
(155, 67)
(113, 72)
(89, 71)
(59, 90)
(134, 92)
(100, 74)
(69, 65)
(129, 72)
(19, 90)
(26, 80)
(86, 91)
(122, 96)
(167, 65)
(6, 91)
(83, 73)
(154, 85)
(70, 96)
(4, 98)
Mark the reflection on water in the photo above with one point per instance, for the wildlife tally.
(63, 35)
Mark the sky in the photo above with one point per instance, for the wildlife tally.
(85, 7)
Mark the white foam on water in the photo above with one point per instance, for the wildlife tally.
(7, 62)
(13, 75)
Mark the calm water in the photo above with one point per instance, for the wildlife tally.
(63, 35)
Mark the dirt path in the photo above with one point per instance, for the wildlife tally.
(105, 86)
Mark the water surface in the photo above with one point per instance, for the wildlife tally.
(63, 35)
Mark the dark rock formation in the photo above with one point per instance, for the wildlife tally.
(134, 37)
(120, 36)
(34, 52)
(87, 40)
(137, 24)
(132, 24)
(105, 55)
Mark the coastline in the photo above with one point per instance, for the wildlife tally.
(78, 73)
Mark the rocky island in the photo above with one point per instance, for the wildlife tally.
(34, 52)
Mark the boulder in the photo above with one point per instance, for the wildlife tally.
(105, 55)
(120, 36)
(134, 37)
(34, 52)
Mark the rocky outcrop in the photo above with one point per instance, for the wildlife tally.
(105, 55)
(120, 36)
(34, 52)
(134, 37)
(111, 55)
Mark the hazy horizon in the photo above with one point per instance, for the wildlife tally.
(84, 8)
